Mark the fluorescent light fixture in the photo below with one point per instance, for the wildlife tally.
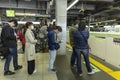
(23, 22)
(71, 5)
(104, 21)
(25, 14)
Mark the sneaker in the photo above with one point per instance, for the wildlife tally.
(80, 74)
(72, 66)
(52, 70)
(92, 72)
(9, 73)
(19, 67)
(34, 71)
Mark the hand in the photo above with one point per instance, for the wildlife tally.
(17, 37)
(60, 41)
(89, 49)
(36, 41)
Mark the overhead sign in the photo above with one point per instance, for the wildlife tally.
(10, 13)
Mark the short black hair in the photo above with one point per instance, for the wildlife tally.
(15, 22)
(82, 26)
(59, 28)
(76, 22)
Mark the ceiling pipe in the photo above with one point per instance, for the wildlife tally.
(109, 10)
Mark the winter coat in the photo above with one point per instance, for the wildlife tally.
(8, 37)
(51, 40)
(30, 45)
(71, 35)
(80, 41)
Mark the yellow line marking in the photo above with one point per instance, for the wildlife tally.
(114, 74)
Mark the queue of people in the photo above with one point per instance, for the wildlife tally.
(78, 40)
(27, 36)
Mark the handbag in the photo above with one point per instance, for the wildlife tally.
(57, 45)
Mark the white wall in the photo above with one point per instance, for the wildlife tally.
(106, 49)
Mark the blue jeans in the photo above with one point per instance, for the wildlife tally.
(12, 53)
(85, 53)
(52, 58)
(73, 57)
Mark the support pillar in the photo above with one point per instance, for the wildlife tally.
(61, 20)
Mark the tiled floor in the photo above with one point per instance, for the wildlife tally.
(42, 64)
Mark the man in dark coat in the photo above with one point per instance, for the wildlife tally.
(9, 40)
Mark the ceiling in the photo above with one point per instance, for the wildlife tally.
(31, 10)
(97, 9)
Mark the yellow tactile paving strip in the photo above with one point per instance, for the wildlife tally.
(114, 74)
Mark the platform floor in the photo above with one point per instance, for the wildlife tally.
(62, 64)
(66, 73)
(42, 63)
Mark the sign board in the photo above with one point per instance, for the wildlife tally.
(10, 13)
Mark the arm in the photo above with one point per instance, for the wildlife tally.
(87, 38)
(52, 38)
(87, 34)
(31, 38)
(71, 36)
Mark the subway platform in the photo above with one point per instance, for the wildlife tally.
(104, 71)
(42, 64)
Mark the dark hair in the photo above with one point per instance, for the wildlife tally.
(28, 24)
(15, 22)
(25, 29)
(82, 26)
(76, 22)
(59, 28)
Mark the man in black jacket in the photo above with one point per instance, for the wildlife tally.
(9, 40)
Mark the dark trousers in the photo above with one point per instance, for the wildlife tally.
(23, 48)
(12, 53)
(73, 57)
(31, 67)
(43, 44)
(85, 53)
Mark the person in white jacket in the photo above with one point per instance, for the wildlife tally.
(30, 48)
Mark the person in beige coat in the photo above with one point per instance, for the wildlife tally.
(30, 48)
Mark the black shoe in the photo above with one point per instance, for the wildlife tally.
(19, 67)
(9, 73)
